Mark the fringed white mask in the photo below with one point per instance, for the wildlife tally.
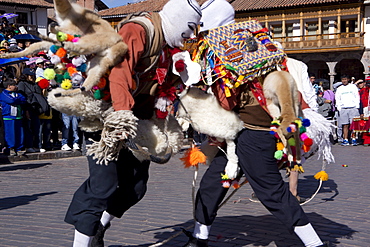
(179, 20)
(216, 13)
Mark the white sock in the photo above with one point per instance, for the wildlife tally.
(308, 235)
(106, 218)
(201, 231)
(81, 240)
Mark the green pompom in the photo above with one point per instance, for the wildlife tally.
(291, 142)
(98, 94)
(66, 75)
(49, 74)
(59, 78)
(278, 154)
(61, 36)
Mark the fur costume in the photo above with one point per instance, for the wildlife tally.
(208, 117)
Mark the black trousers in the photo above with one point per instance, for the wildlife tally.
(255, 150)
(114, 188)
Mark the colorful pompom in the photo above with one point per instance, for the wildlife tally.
(322, 175)
(193, 157)
(66, 84)
(49, 74)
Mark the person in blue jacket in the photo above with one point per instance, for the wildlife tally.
(11, 102)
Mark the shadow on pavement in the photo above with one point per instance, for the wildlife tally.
(255, 230)
(12, 202)
(308, 186)
(23, 167)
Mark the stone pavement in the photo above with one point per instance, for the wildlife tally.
(35, 194)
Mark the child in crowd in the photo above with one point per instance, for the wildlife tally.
(11, 102)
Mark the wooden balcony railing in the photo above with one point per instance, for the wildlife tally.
(322, 41)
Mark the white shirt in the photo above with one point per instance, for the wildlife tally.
(347, 97)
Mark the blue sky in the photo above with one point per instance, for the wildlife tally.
(116, 3)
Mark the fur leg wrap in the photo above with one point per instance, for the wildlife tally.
(232, 168)
(118, 126)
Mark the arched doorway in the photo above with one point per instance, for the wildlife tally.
(351, 67)
(319, 68)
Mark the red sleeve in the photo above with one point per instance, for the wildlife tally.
(120, 78)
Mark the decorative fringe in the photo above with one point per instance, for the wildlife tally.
(193, 157)
(322, 175)
(320, 131)
(118, 126)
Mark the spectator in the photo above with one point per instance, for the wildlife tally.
(348, 103)
(5, 44)
(27, 44)
(365, 107)
(40, 68)
(45, 123)
(327, 101)
(33, 109)
(3, 50)
(13, 45)
(11, 102)
(70, 123)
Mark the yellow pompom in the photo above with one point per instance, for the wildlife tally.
(66, 84)
(322, 175)
(193, 157)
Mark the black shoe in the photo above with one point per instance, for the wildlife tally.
(194, 242)
(97, 240)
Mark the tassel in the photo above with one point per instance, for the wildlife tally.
(192, 157)
(322, 175)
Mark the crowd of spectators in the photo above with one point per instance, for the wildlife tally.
(28, 124)
(347, 105)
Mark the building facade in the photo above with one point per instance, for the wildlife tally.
(331, 36)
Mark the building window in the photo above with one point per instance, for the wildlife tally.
(348, 27)
(277, 31)
(22, 18)
(311, 30)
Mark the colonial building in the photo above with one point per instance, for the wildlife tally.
(331, 36)
(32, 14)
(35, 15)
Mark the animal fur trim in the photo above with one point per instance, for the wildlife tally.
(207, 116)
(83, 105)
(118, 126)
(319, 131)
(156, 136)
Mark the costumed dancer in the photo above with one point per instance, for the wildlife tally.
(255, 148)
(112, 189)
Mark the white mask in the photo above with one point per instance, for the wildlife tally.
(216, 13)
(180, 19)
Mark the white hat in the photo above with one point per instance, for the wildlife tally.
(12, 41)
(179, 20)
(216, 13)
(39, 60)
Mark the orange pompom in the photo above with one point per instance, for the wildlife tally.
(61, 52)
(193, 157)
(71, 70)
(279, 146)
(70, 37)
